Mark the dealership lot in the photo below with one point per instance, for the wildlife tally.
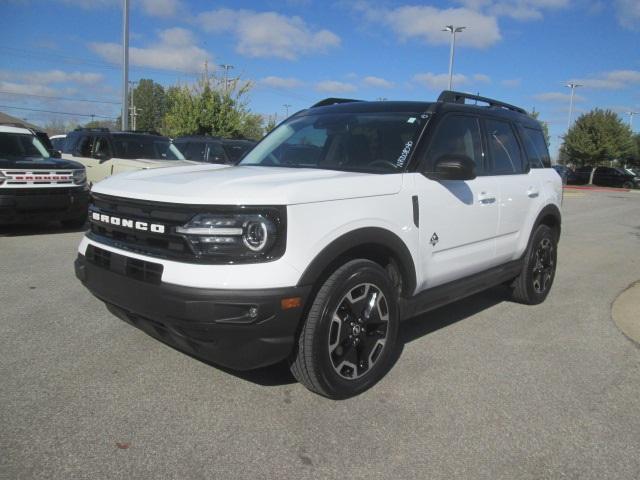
(483, 388)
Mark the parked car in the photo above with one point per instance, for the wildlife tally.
(566, 174)
(57, 141)
(105, 153)
(347, 218)
(582, 175)
(615, 177)
(36, 187)
(203, 148)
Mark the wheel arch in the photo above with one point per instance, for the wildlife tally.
(373, 243)
(551, 217)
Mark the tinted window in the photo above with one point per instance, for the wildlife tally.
(216, 153)
(21, 145)
(58, 143)
(70, 142)
(103, 147)
(504, 148)
(193, 150)
(235, 151)
(145, 147)
(535, 147)
(85, 147)
(458, 135)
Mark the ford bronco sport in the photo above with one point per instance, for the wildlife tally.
(35, 187)
(344, 220)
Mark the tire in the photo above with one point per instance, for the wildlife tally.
(627, 185)
(533, 284)
(345, 346)
(75, 222)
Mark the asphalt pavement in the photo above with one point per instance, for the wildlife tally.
(483, 388)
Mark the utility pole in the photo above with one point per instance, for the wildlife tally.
(631, 114)
(125, 63)
(131, 105)
(573, 87)
(286, 109)
(226, 67)
(452, 29)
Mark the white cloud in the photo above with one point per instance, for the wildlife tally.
(628, 13)
(613, 80)
(268, 34)
(516, 9)
(426, 23)
(281, 82)
(25, 89)
(511, 82)
(377, 82)
(557, 97)
(440, 81)
(175, 50)
(52, 76)
(333, 86)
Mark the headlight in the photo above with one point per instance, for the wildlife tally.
(250, 236)
(80, 177)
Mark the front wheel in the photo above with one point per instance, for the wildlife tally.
(539, 268)
(347, 341)
(627, 185)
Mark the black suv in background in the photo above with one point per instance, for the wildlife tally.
(203, 148)
(615, 177)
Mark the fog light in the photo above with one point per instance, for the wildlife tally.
(253, 312)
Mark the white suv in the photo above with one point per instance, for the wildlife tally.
(346, 219)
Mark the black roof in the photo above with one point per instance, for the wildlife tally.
(209, 138)
(447, 101)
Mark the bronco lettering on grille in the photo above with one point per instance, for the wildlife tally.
(127, 223)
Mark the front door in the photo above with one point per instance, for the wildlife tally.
(458, 219)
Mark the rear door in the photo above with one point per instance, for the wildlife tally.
(459, 218)
(519, 188)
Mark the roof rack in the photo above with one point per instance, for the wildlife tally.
(333, 101)
(449, 96)
(91, 129)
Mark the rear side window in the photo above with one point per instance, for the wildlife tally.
(504, 148)
(85, 147)
(535, 147)
(193, 150)
(216, 153)
(458, 135)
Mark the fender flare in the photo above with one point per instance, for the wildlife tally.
(363, 237)
(549, 211)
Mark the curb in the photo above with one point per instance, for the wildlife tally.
(625, 312)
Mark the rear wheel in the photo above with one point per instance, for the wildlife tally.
(347, 341)
(538, 271)
(627, 185)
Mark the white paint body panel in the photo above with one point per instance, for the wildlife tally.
(322, 205)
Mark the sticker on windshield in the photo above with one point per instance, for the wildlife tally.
(405, 153)
(411, 120)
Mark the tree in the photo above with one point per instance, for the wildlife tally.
(57, 126)
(597, 138)
(543, 124)
(110, 124)
(635, 159)
(272, 123)
(211, 107)
(149, 99)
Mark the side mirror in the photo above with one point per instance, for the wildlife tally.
(103, 157)
(453, 167)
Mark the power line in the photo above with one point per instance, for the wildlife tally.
(59, 98)
(59, 113)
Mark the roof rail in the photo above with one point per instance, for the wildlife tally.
(148, 132)
(449, 96)
(333, 101)
(91, 129)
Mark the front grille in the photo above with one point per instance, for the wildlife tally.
(54, 191)
(163, 245)
(131, 267)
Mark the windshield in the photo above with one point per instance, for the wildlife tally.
(359, 142)
(151, 148)
(21, 145)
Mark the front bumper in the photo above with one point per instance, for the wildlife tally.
(33, 205)
(212, 324)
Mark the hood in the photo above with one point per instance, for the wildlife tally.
(39, 163)
(148, 163)
(247, 185)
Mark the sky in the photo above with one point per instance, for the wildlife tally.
(65, 55)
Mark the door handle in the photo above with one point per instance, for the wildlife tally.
(532, 193)
(486, 198)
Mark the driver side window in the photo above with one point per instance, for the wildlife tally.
(103, 149)
(458, 135)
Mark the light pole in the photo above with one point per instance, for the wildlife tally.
(286, 109)
(631, 114)
(452, 30)
(573, 87)
(131, 106)
(226, 67)
(125, 63)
